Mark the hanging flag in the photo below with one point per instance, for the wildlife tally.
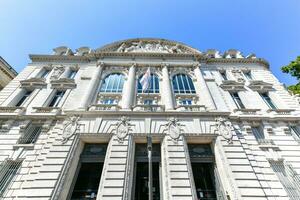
(145, 80)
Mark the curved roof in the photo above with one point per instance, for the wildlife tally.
(151, 45)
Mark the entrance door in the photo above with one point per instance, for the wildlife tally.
(141, 172)
(88, 175)
(203, 171)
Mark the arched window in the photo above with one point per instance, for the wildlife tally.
(153, 85)
(183, 84)
(113, 83)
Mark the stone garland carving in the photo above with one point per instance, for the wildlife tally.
(69, 128)
(149, 47)
(57, 71)
(224, 128)
(174, 129)
(122, 128)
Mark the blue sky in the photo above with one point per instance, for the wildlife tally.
(269, 28)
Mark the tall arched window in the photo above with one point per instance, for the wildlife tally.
(113, 83)
(153, 85)
(183, 84)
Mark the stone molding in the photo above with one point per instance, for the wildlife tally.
(33, 83)
(63, 84)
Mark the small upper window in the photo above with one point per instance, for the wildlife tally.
(108, 101)
(153, 85)
(113, 83)
(248, 75)
(148, 102)
(224, 75)
(186, 102)
(237, 100)
(72, 74)
(56, 98)
(268, 100)
(45, 73)
(183, 84)
(23, 98)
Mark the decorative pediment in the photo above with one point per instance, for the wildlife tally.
(231, 85)
(261, 86)
(33, 83)
(63, 83)
(148, 46)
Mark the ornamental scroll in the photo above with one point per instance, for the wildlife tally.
(224, 128)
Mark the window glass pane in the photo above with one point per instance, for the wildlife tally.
(182, 84)
(238, 102)
(56, 98)
(153, 85)
(72, 74)
(112, 83)
(23, 98)
(268, 100)
(45, 73)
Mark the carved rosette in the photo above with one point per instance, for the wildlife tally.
(69, 128)
(174, 129)
(224, 128)
(122, 128)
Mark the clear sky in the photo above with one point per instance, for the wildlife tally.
(269, 28)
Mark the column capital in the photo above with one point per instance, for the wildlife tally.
(100, 63)
(165, 65)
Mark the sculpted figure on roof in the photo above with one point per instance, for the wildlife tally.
(145, 46)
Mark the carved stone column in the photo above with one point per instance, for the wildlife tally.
(129, 89)
(205, 95)
(166, 92)
(92, 87)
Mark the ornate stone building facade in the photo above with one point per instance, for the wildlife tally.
(74, 125)
(7, 73)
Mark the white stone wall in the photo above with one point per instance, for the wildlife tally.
(49, 165)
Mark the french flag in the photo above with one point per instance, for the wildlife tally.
(145, 80)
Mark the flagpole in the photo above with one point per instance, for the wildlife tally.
(149, 147)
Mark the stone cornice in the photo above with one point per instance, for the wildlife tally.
(7, 69)
(96, 56)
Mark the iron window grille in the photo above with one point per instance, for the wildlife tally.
(30, 134)
(288, 178)
(8, 170)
